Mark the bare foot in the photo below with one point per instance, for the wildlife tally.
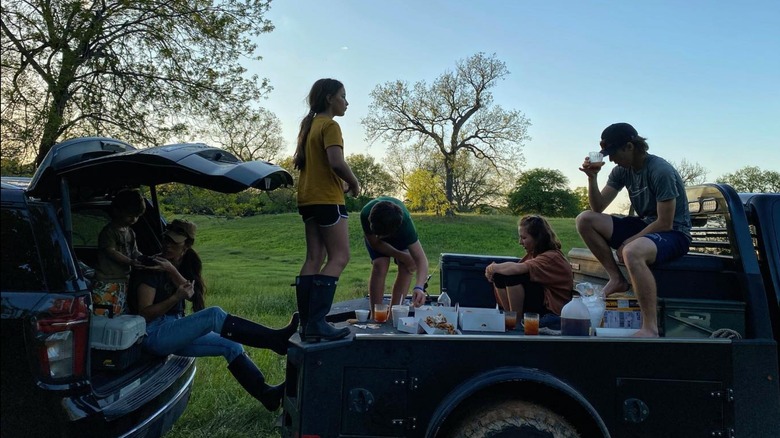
(616, 286)
(645, 333)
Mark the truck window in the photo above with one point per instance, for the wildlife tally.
(20, 261)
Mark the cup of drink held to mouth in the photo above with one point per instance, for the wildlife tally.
(596, 158)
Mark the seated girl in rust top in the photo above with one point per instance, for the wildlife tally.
(541, 281)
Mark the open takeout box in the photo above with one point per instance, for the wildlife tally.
(480, 319)
(449, 313)
(427, 329)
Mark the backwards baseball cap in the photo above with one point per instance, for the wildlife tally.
(616, 135)
(180, 230)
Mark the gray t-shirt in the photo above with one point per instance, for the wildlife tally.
(656, 181)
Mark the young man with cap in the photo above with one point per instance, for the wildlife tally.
(661, 230)
(390, 232)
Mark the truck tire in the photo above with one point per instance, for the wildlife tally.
(513, 418)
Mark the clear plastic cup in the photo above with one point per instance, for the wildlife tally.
(399, 312)
(595, 157)
(531, 323)
(380, 313)
(510, 320)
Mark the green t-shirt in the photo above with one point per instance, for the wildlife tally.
(406, 234)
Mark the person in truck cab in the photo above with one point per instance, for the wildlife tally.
(541, 282)
(389, 232)
(209, 331)
(660, 232)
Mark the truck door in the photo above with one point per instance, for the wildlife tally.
(375, 402)
(655, 407)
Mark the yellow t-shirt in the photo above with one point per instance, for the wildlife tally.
(318, 183)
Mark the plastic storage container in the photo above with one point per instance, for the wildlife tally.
(463, 278)
(686, 318)
(116, 342)
(575, 318)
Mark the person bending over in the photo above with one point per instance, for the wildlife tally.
(390, 233)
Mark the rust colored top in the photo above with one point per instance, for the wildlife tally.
(553, 272)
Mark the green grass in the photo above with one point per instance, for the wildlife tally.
(249, 264)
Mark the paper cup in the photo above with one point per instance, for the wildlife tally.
(362, 315)
(398, 313)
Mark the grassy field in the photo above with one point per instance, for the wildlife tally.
(249, 265)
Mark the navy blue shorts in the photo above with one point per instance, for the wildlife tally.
(325, 215)
(669, 244)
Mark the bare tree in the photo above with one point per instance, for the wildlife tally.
(140, 70)
(454, 114)
(250, 134)
(691, 173)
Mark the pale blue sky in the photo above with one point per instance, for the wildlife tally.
(699, 79)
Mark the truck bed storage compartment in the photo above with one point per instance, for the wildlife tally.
(116, 342)
(463, 278)
(693, 275)
(682, 318)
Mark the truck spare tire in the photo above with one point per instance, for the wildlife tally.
(513, 418)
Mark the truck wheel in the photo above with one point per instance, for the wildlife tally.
(513, 418)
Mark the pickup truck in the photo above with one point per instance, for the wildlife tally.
(384, 383)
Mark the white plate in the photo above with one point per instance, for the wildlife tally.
(615, 332)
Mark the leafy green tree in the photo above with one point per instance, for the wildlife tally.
(751, 179)
(476, 187)
(455, 114)
(545, 192)
(582, 198)
(425, 193)
(144, 71)
(374, 179)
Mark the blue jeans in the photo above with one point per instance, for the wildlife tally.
(195, 335)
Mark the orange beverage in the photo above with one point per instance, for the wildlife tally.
(510, 320)
(531, 323)
(380, 313)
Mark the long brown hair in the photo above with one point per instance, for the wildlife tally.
(318, 103)
(537, 227)
(191, 268)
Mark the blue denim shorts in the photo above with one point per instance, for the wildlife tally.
(669, 244)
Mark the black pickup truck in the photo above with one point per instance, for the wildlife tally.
(383, 383)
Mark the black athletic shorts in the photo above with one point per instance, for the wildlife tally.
(325, 215)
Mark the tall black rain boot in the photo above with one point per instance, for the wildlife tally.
(320, 301)
(252, 380)
(303, 285)
(256, 335)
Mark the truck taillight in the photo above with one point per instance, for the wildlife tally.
(62, 331)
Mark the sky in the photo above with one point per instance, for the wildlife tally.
(699, 79)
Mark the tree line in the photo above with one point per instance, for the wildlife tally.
(153, 73)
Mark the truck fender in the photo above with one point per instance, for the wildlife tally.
(491, 378)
